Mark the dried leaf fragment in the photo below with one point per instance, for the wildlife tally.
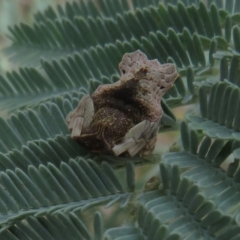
(123, 118)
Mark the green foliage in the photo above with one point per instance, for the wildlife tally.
(50, 186)
(71, 187)
(63, 36)
(220, 115)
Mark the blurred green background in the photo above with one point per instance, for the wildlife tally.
(16, 11)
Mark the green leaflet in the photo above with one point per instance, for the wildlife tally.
(46, 121)
(111, 8)
(56, 226)
(72, 186)
(85, 9)
(37, 152)
(59, 77)
(178, 210)
(201, 164)
(32, 125)
(229, 71)
(219, 114)
(66, 36)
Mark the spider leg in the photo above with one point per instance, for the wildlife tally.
(137, 138)
(80, 117)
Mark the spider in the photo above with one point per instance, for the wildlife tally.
(123, 118)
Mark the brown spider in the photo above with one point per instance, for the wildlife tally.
(123, 117)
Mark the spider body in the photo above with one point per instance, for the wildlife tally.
(123, 118)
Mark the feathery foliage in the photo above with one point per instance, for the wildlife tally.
(53, 188)
(219, 113)
(64, 36)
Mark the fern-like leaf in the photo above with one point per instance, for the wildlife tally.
(74, 186)
(66, 36)
(219, 113)
(176, 212)
(52, 226)
(201, 164)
